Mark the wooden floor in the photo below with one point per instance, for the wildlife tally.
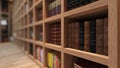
(11, 56)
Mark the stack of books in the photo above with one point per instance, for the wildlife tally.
(72, 4)
(90, 35)
(54, 60)
(55, 33)
(54, 8)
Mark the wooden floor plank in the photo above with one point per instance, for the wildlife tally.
(11, 56)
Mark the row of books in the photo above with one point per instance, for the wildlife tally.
(39, 13)
(55, 33)
(91, 35)
(54, 8)
(72, 4)
(54, 60)
(39, 33)
(39, 54)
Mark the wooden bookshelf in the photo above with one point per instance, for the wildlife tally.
(34, 24)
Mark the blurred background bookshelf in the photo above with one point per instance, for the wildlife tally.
(5, 21)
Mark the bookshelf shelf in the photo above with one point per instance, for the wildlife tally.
(39, 23)
(86, 55)
(53, 18)
(39, 2)
(39, 43)
(54, 47)
(92, 29)
(96, 7)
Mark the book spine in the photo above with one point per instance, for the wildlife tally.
(49, 10)
(81, 35)
(106, 36)
(68, 35)
(58, 6)
(77, 31)
(93, 36)
(54, 8)
(100, 36)
(73, 35)
(86, 35)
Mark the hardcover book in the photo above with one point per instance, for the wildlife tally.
(100, 36)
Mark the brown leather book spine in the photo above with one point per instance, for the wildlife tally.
(106, 36)
(100, 36)
(86, 36)
(77, 31)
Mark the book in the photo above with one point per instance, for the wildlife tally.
(72, 35)
(81, 35)
(38, 53)
(41, 56)
(92, 36)
(86, 36)
(49, 10)
(54, 8)
(100, 36)
(58, 6)
(77, 35)
(106, 36)
(56, 61)
(50, 60)
(69, 39)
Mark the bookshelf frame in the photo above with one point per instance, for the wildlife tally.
(110, 6)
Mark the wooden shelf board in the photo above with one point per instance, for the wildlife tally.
(30, 9)
(87, 55)
(31, 25)
(38, 2)
(52, 46)
(53, 18)
(95, 7)
(38, 23)
(39, 43)
(30, 40)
